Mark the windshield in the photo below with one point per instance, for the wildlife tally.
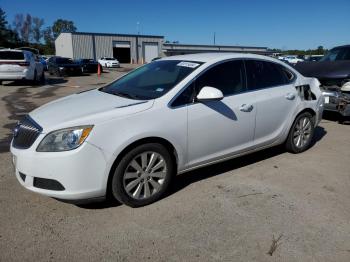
(64, 61)
(11, 55)
(152, 80)
(337, 54)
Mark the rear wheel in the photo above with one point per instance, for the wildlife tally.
(301, 134)
(143, 175)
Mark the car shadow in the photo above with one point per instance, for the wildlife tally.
(336, 117)
(183, 180)
(221, 108)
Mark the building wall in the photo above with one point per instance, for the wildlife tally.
(82, 46)
(63, 45)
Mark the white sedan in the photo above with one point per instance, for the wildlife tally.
(109, 62)
(132, 136)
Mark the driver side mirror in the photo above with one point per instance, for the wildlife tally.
(209, 93)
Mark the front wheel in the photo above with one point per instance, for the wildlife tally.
(143, 175)
(301, 134)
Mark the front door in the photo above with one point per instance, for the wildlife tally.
(217, 129)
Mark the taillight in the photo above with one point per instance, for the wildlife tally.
(15, 63)
(23, 63)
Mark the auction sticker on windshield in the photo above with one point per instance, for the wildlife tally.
(188, 64)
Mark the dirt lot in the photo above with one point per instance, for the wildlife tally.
(226, 212)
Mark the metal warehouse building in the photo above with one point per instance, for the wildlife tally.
(133, 48)
(126, 48)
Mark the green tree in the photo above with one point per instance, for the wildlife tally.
(63, 26)
(36, 28)
(4, 32)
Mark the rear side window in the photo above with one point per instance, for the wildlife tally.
(8, 55)
(263, 74)
(227, 77)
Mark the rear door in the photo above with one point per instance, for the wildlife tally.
(276, 98)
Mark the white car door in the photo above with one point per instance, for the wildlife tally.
(276, 98)
(217, 129)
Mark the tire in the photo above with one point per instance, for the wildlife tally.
(42, 78)
(0, 82)
(301, 133)
(136, 187)
(35, 78)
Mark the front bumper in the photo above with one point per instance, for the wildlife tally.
(82, 172)
(336, 101)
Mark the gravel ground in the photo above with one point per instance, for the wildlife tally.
(226, 212)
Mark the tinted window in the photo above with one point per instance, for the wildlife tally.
(64, 61)
(8, 55)
(152, 80)
(337, 54)
(228, 77)
(262, 74)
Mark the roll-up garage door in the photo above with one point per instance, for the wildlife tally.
(121, 51)
(150, 51)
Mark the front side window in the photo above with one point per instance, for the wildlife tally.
(263, 74)
(152, 80)
(227, 77)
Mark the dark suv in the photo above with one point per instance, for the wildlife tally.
(333, 72)
(63, 66)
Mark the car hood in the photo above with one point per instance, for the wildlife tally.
(324, 69)
(86, 108)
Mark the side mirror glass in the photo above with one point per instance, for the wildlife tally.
(209, 93)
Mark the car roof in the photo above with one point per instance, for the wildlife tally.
(215, 57)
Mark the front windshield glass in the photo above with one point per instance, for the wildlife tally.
(152, 80)
(337, 54)
(64, 61)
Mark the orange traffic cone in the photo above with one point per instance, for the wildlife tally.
(99, 70)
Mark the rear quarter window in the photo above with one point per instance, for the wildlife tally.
(8, 55)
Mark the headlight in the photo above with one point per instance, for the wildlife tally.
(64, 139)
(61, 68)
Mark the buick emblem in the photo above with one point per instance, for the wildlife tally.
(16, 131)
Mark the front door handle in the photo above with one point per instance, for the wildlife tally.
(290, 96)
(246, 108)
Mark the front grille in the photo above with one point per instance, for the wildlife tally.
(25, 133)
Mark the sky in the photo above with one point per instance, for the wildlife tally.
(283, 24)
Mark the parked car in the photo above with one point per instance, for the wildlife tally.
(292, 59)
(333, 71)
(20, 65)
(314, 58)
(87, 65)
(60, 66)
(130, 137)
(43, 62)
(109, 62)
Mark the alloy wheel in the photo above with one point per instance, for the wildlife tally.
(302, 132)
(144, 175)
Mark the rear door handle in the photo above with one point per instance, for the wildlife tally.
(290, 96)
(246, 108)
